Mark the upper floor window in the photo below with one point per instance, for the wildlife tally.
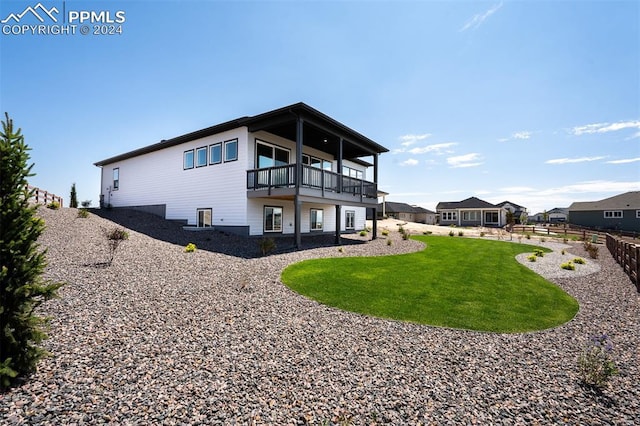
(351, 172)
(613, 214)
(201, 157)
(316, 162)
(231, 150)
(188, 160)
(215, 153)
(116, 178)
(268, 155)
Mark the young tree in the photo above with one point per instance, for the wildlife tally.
(22, 288)
(73, 198)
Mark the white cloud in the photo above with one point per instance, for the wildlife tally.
(409, 162)
(593, 186)
(468, 160)
(521, 135)
(436, 148)
(625, 161)
(479, 18)
(408, 140)
(573, 160)
(589, 129)
(517, 189)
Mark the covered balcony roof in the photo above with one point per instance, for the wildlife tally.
(319, 131)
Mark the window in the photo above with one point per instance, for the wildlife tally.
(215, 153)
(637, 214)
(471, 216)
(201, 156)
(188, 160)
(491, 217)
(348, 171)
(449, 216)
(204, 218)
(613, 214)
(231, 150)
(272, 219)
(268, 155)
(316, 162)
(350, 222)
(316, 219)
(116, 179)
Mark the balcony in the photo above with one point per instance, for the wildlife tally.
(317, 185)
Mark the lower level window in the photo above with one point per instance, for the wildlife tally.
(316, 219)
(471, 216)
(448, 216)
(613, 214)
(350, 222)
(272, 219)
(491, 217)
(204, 218)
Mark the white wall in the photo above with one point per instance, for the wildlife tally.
(159, 178)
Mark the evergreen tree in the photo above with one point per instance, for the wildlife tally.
(22, 288)
(73, 198)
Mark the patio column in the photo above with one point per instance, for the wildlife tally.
(297, 204)
(374, 230)
(338, 222)
(339, 164)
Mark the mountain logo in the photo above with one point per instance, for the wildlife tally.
(43, 11)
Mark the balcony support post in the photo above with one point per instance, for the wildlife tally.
(338, 223)
(339, 166)
(374, 228)
(297, 203)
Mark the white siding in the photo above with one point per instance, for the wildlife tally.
(159, 178)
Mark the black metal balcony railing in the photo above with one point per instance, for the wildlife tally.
(312, 177)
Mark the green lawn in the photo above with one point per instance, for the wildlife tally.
(457, 282)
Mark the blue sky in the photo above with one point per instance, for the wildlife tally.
(537, 103)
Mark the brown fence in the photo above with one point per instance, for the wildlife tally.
(566, 230)
(626, 254)
(44, 197)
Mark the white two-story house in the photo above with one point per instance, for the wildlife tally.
(292, 171)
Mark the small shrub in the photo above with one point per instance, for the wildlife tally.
(368, 229)
(527, 236)
(114, 237)
(389, 242)
(267, 245)
(579, 261)
(341, 249)
(401, 229)
(406, 235)
(427, 233)
(592, 249)
(532, 257)
(190, 248)
(569, 266)
(54, 205)
(565, 240)
(538, 252)
(363, 233)
(595, 366)
(83, 213)
(563, 252)
(482, 234)
(385, 232)
(460, 233)
(543, 239)
(451, 234)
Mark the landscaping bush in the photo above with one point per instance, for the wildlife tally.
(451, 234)
(538, 252)
(460, 233)
(595, 365)
(54, 205)
(527, 236)
(114, 237)
(389, 242)
(83, 213)
(579, 261)
(592, 249)
(532, 257)
(569, 266)
(385, 232)
(22, 289)
(406, 235)
(190, 248)
(363, 233)
(267, 245)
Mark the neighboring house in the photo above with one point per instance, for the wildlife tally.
(402, 211)
(293, 170)
(518, 211)
(471, 212)
(555, 215)
(620, 212)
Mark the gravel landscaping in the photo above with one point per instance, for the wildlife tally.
(212, 337)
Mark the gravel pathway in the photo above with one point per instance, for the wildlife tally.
(167, 337)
